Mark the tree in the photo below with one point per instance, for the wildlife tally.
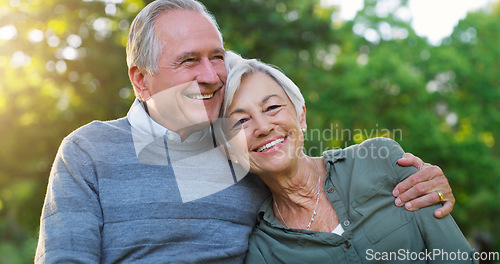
(63, 66)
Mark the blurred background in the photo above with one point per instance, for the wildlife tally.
(365, 73)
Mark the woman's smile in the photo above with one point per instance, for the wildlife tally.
(274, 145)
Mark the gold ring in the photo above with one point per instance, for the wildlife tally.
(441, 198)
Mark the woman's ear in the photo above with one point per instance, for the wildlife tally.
(231, 155)
(137, 77)
(237, 151)
(302, 119)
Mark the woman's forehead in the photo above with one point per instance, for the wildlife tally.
(258, 88)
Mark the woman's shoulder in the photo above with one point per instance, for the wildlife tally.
(374, 148)
(380, 142)
(371, 161)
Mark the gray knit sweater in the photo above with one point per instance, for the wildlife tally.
(113, 198)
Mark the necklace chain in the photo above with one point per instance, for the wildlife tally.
(315, 206)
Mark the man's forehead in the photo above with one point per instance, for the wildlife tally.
(188, 31)
(184, 23)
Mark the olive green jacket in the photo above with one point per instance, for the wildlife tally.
(359, 184)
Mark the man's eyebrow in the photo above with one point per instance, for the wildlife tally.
(194, 53)
(186, 55)
(219, 51)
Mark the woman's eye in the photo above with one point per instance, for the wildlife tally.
(240, 122)
(273, 107)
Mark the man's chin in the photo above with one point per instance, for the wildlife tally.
(201, 115)
(202, 122)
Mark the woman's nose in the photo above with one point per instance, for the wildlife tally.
(262, 126)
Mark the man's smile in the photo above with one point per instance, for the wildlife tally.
(201, 96)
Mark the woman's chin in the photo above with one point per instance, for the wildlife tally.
(269, 166)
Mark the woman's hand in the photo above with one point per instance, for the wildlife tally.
(426, 187)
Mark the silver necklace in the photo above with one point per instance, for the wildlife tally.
(315, 207)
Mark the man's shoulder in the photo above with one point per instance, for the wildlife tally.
(99, 128)
(98, 139)
(97, 132)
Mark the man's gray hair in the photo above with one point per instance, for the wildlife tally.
(144, 47)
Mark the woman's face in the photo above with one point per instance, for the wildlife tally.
(262, 125)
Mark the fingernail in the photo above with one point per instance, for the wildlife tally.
(408, 206)
(398, 202)
(395, 193)
(439, 213)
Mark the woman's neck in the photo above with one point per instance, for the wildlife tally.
(299, 199)
(297, 188)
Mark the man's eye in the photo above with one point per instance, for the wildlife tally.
(189, 61)
(218, 57)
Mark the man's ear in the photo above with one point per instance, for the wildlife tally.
(302, 119)
(137, 77)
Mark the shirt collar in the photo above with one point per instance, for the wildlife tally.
(142, 123)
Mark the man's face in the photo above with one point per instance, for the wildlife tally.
(187, 92)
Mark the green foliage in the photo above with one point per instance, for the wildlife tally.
(373, 76)
(63, 67)
(470, 57)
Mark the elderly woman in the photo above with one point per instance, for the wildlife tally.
(337, 208)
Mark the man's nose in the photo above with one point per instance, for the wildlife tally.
(207, 72)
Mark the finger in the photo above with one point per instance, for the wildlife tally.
(408, 155)
(410, 183)
(408, 159)
(423, 201)
(445, 210)
(427, 181)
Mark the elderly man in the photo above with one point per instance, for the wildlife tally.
(151, 187)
